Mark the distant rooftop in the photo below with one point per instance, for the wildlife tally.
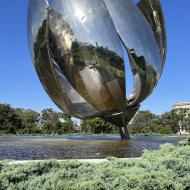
(182, 105)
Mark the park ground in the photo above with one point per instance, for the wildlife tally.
(167, 168)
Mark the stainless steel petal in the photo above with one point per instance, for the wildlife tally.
(85, 47)
(137, 37)
(152, 10)
(37, 36)
(37, 15)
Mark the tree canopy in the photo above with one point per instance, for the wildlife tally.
(48, 121)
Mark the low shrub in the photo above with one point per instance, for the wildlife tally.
(167, 168)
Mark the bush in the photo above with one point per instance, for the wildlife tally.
(165, 130)
(167, 168)
(98, 126)
(185, 142)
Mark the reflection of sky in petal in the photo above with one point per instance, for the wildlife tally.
(37, 13)
(90, 22)
(139, 35)
(80, 15)
(135, 1)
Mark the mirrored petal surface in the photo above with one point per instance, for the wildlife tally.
(137, 37)
(38, 42)
(152, 10)
(85, 47)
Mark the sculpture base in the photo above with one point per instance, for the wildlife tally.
(121, 120)
(124, 133)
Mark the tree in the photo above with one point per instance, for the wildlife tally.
(56, 122)
(49, 116)
(170, 119)
(66, 127)
(10, 122)
(143, 122)
(97, 126)
(59, 128)
(30, 121)
(188, 123)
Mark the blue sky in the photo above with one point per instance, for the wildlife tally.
(19, 84)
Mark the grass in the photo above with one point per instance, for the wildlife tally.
(167, 168)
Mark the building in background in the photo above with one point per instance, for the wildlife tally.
(183, 109)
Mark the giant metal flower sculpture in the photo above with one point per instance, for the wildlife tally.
(78, 49)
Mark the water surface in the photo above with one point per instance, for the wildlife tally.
(77, 147)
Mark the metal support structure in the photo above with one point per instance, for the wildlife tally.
(124, 133)
(121, 120)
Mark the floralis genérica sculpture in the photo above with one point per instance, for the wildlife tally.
(78, 49)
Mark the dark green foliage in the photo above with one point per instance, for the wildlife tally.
(98, 126)
(171, 120)
(59, 128)
(185, 142)
(49, 116)
(165, 130)
(14, 121)
(29, 122)
(146, 122)
(167, 168)
(21, 121)
(52, 124)
(10, 122)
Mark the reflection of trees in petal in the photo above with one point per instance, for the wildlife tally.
(153, 13)
(100, 61)
(76, 60)
(85, 65)
(86, 54)
(147, 76)
(44, 68)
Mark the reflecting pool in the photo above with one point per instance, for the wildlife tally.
(78, 147)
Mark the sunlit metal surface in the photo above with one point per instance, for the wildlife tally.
(77, 50)
(37, 35)
(92, 63)
(152, 10)
(140, 43)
